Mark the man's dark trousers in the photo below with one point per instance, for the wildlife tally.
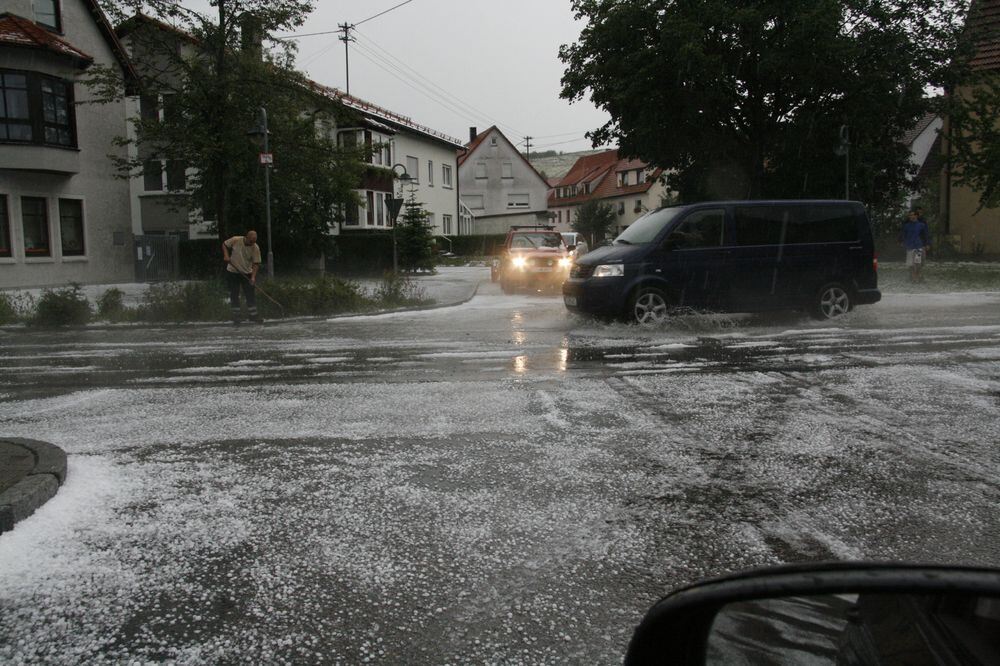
(237, 282)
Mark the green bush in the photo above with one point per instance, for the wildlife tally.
(316, 296)
(111, 305)
(8, 311)
(398, 291)
(190, 301)
(62, 307)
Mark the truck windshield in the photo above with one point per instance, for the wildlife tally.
(648, 227)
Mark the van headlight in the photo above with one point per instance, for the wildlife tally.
(519, 262)
(609, 270)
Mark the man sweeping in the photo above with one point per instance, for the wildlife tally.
(242, 257)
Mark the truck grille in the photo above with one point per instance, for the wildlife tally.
(581, 271)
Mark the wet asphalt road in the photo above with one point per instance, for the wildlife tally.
(498, 482)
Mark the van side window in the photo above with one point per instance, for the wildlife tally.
(761, 225)
(703, 228)
(823, 224)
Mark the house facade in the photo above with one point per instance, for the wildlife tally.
(499, 187)
(429, 158)
(64, 216)
(631, 187)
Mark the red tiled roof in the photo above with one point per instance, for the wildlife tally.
(602, 171)
(18, 31)
(984, 20)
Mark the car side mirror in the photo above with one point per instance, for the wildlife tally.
(838, 612)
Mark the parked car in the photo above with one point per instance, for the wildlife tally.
(576, 243)
(532, 257)
(734, 256)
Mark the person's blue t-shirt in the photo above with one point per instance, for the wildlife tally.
(916, 235)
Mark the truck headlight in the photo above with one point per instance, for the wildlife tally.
(609, 270)
(519, 262)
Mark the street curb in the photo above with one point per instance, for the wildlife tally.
(416, 308)
(35, 489)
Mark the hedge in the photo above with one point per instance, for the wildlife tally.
(474, 246)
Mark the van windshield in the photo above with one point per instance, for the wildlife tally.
(648, 227)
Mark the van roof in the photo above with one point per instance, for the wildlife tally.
(765, 202)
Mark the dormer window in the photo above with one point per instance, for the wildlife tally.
(47, 14)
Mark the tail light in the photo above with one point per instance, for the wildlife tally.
(875, 262)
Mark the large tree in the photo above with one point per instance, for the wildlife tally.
(213, 74)
(746, 98)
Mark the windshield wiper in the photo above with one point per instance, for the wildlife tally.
(623, 242)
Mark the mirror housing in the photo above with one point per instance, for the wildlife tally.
(676, 629)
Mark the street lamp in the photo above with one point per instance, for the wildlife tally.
(267, 161)
(395, 204)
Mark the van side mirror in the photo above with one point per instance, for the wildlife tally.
(842, 611)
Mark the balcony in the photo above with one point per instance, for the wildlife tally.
(43, 159)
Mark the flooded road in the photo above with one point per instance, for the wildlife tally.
(497, 482)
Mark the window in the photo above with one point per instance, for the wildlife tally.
(377, 154)
(480, 170)
(47, 13)
(493, 140)
(348, 139)
(559, 216)
(380, 212)
(822, 224)
(623, 179)
(370, 209)
(71, 227)
(446, 224)
(703, 228)
(446, 175)
(152, 176)
(430, 220)
(176, 176)
(387, 153)
(35, 108)
(15, 119)
(5, 247)
(507, 170)
(518, 201)
(430, 173)
(35, 224)
(474, 201)
(621, 207)
(351, 215)
(413, 168)
(638, 205)
(760, 225)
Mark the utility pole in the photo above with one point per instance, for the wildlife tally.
(347, 39)
(527, 146)
(844, 150)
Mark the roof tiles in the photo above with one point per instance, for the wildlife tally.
(20, 32)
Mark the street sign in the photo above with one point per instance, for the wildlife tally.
(267, 159)
(394, 207)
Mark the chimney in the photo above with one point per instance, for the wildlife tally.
(252, 35)
(473, 133)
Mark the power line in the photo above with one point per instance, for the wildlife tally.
(382, 13)
(409, 71)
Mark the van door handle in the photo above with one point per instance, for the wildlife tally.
(857, 247)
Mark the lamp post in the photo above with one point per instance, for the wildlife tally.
(844, 150)
(395, 204)
(267, 161)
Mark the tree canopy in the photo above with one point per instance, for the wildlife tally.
(211, 75)
(594, 220)
(746, 98)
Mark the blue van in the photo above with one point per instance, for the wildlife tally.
(733, 256)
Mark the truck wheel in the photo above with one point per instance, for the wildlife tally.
(831, 301)
(648, 305)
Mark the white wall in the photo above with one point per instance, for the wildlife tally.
(491, 196)
(438, 199)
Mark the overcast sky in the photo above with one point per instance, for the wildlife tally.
(501, 58)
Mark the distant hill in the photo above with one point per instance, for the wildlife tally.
(557, 165)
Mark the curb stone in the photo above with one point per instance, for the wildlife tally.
(37, 487)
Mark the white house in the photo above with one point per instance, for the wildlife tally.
(498, 185)
(428, 157)
(64, 217)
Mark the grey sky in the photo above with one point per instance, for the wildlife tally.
(499, 56)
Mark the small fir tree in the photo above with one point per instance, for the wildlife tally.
(415, 237)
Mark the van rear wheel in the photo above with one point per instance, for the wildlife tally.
(832, 300)
(648, 305)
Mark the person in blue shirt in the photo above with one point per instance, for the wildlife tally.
(915, 236)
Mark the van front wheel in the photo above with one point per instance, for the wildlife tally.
(648, 305)
(832, 300)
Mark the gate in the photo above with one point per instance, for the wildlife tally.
(157, 258)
